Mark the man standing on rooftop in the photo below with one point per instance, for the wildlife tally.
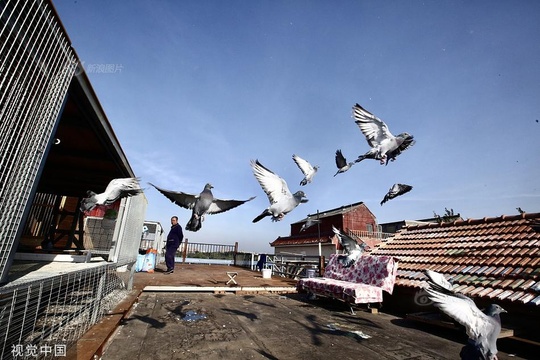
(174, 239)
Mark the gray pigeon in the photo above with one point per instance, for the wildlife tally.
(353, 250)
(395, 191)
(482, 328)
(383, 144)
(282, 201)
(306, 168)
(309, 223)
(201, 204)
(341, 163)
(116, 189)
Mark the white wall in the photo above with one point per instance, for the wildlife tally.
(310, 250)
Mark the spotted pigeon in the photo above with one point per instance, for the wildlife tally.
(384, 145)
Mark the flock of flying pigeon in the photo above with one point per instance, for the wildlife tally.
(482, 328)
(384, 147)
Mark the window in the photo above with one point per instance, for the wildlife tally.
(369, 227)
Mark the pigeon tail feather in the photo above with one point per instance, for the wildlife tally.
(194, 223)
(264, 214)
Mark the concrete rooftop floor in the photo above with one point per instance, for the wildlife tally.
(251, 321)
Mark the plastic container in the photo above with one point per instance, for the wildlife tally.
(266, 273)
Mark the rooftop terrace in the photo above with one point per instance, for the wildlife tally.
(258, 318)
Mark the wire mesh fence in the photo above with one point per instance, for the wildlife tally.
(43, 318)
(36, 66)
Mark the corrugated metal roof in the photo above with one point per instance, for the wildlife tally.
(495, 258)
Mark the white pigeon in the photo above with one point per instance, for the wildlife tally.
(342, 163)
(482, 328)
(282, 201)
(395, 191)
(309, 223)
(116, 189)
(306, 168)
(384, 145)
(353, 250)
(201, 204)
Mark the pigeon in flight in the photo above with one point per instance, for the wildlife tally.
(482, 328)
(282, 201)
(306, 168)
(116, 189)
(384, 145)
(395, 191)
(309, 223)
(341, 163)
(408, 141)
(353, 250)
(204, 203)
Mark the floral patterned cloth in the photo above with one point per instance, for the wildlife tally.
(362, 282)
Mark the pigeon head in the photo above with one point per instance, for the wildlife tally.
(405, 136)
(88, 203)
(301, 196)
(494, 309)
(208, 186)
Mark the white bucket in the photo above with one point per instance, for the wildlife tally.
(266, 273)
(310, 273)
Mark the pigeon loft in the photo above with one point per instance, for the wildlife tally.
(360, 283)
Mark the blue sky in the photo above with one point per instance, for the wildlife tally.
(199, 88)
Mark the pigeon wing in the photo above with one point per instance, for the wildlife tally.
(274, 186)
(182, 199)
(463, 310)
(118, 188)
(438, 281)
(373, 128)
(395, 191)
(348, 243)
(219, 206)
(407, 143)
(303, 165)
(340, 159)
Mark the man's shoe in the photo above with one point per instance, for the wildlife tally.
(168, 272)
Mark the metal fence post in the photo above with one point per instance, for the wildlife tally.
(184, 251)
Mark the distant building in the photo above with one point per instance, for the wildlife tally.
(354, 219)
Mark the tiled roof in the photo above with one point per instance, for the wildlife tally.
(493, 258)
